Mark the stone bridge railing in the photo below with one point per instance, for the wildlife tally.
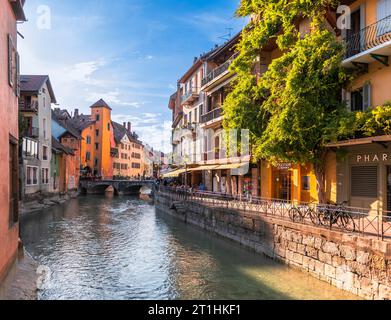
(119, 186)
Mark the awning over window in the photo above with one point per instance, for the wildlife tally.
(174, 174)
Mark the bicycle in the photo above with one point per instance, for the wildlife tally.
(301, 213)
(339, 215)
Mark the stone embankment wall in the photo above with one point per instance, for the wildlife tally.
(356, 264)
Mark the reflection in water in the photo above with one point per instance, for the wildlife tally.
(119, 248)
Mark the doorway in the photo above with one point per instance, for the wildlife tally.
(282, 185)
(389, 189)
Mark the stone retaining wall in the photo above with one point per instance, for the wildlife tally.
(356, 264)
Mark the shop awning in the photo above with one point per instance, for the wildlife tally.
(230, 166)
(203, 168)
(174, 174)
(358, 142)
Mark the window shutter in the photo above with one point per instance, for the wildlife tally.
(364, 182)
(17, 75)
(10, 49)
(367, 96)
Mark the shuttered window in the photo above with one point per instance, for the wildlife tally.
(364, 182)
(10, 61)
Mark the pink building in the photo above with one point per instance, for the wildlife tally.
(11, 11)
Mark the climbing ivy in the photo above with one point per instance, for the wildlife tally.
(294, 109)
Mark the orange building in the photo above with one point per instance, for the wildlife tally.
(10, 13)
(129, 159)
(98, 145)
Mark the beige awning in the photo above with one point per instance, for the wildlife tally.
(203, 168)
(230, 166)
(174, 174)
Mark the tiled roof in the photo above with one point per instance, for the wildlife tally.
(120, 131)
(34, 83)
(66, 123)
(81, 122)
(100, 103)
(56, 145)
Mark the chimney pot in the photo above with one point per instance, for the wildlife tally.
(129, 127)
(76, 112)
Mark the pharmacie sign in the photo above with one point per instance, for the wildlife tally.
(380, 157)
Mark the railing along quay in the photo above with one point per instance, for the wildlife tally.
(333, 217)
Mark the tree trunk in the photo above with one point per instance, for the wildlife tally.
(320, 173)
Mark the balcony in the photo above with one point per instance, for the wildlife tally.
(28, 106)
(219, 72)
(31, 132)
(372, 43)
(114, 153)
(190, 96)
(212, 117)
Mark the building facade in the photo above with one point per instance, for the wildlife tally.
(10, 13)
(35, 110)
(363, 165)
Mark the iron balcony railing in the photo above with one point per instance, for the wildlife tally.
(212, 115)
(188, 94)
(28, 106)
(333, 217)
(31, 132)
(369, 37)
(218, 71)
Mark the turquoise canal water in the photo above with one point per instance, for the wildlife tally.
(105, 247)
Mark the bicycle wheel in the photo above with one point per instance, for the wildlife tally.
(295, 215)
(346, 222)
(314, 217)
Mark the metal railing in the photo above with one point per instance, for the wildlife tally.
(31, 106)
(219, 70)
(187, 95)
(31, 132)
(333, 217)
(212, 115)
(369, 37)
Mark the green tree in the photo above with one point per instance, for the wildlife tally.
(294, 108)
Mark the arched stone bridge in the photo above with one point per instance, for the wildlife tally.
(120, 187)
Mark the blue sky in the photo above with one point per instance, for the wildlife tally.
(129, 52)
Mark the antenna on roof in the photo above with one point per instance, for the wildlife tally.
(228, 36)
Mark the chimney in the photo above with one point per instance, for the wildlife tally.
(76, 113)
(124, 125)
(129, 127)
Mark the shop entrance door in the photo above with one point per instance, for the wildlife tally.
(389, 189)
(283, 185)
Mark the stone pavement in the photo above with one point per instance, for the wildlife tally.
(20, 284)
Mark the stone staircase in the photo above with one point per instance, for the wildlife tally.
(179, 207)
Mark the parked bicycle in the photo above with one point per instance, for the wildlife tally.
(331, 214)
(302, 213)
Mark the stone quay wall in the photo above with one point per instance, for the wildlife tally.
(357, 264)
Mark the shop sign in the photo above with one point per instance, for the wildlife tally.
(373, 158)
(284, 166)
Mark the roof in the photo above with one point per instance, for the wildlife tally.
(120, 131)
(34, 84)
(66, 123)
(229, 45)
(100, 104)
(81, 122)
(57, 146)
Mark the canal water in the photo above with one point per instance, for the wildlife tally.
(105, 247)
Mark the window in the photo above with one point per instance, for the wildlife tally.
(364, 181)
(88, 156)
(195, 115)
(45, 153)
(108, 127)
(136, 165)
(88, 140)
(31, 176)
(190, 117)
(124, 167)
(200, 111)
(361, 98)
(45, 176)
(13, 182)
(97, 132)
(97, 117)
(96, 161)
(44, 128)
(30, 148)
(96, 146)
(136, 155)
(306, 183)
